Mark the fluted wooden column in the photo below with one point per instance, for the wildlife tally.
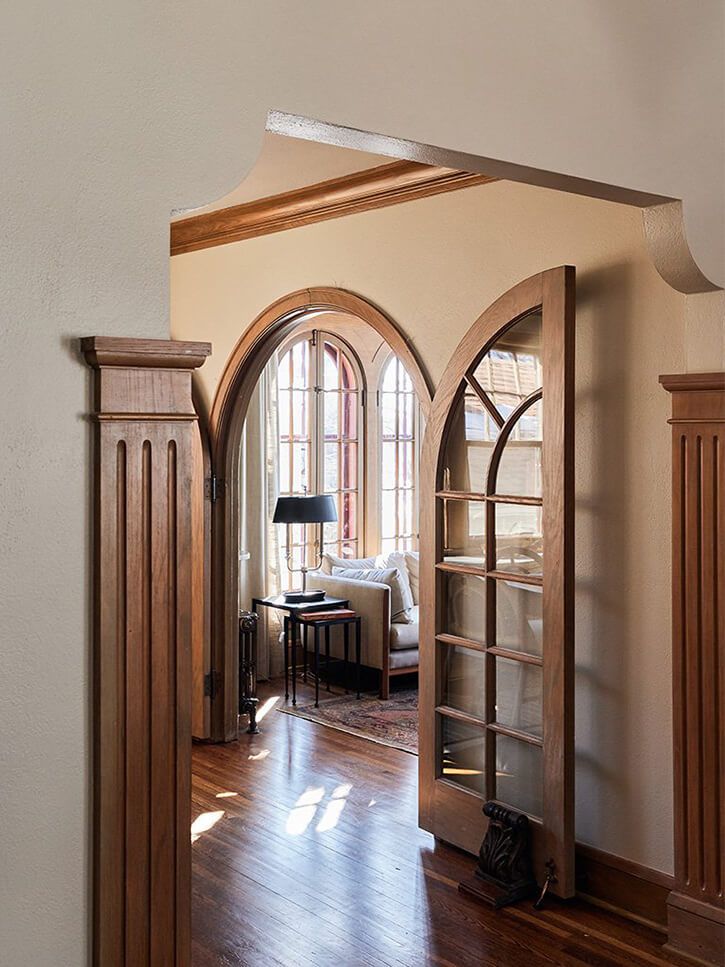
(695, 907)
(143, 463)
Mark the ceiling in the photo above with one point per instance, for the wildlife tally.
(288, 163)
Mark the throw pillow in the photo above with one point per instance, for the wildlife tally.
(389, 576)
(329, 561)
(398, 560)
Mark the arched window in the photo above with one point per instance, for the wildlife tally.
(319, 398)
(399, 433)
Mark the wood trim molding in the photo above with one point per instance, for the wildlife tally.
(618, 884)
(361, 191)
(679, 382)
(696, 907)
(143, 484)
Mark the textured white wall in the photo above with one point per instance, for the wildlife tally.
(434, 265)
(115, 114)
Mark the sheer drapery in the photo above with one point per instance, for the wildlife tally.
(259, 558)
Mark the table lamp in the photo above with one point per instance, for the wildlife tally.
(318, 509)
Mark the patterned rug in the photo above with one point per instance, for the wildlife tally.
(393, 722)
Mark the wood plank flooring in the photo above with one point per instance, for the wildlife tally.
(307, 853)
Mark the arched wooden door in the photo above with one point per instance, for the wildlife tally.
(497, 512)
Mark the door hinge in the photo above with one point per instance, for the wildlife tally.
(213, 487)
(212, 684)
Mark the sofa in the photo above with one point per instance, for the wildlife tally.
(389, 631)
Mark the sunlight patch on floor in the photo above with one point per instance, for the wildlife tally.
(310, 804)
(259, 756)
(267, 707)
(204, 822)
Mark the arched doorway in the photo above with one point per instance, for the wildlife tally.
(241, 374)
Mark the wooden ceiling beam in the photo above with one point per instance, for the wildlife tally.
(388, 184)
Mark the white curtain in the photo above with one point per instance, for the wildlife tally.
(259, 558)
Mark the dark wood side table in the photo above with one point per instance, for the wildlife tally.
(292, 630)
(321, 621)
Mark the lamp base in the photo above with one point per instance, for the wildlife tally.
(304, 597)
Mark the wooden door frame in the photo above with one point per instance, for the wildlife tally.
(231, 401)
(554, 291)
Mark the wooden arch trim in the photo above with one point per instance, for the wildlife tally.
(278, 320)
(229, 408)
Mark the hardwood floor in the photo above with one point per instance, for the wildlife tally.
(307, 853)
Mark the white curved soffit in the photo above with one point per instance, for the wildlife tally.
(664, 223)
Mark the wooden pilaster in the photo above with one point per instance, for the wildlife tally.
(144, 422)
(696, 915)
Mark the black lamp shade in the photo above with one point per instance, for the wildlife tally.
(305, 510)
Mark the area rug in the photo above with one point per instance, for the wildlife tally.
(393, 722)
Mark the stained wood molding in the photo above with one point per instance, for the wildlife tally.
(696, 910)
(634, 891)
(144, 426)
(378, 187)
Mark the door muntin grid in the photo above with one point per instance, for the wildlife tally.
(492, 542)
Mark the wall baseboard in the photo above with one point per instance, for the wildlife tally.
(629, 889)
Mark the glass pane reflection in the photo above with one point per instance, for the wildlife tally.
(519, 617)
(464, 605)
(464, 532)
(463, 673)
(511, 370)
(519, 471)
(470, 440)
(462, 754)
(519, 775)
(519, 539)
(519, 695)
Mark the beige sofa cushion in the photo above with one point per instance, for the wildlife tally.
(407, 658)
(389, 576)
(405, 636)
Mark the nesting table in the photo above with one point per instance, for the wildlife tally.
(292, 635)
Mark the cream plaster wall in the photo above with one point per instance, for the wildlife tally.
(115, 114)
(434, 265)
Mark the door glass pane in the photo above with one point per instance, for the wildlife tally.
(511, 370)
(519, 617)
(519, 539)
(519, 776)
(519, 471)
(462, 754)
(462, 684)
(464, 605)
(518, 695)
(464, 532)
(471, 435)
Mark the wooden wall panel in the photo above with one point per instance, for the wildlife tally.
(144, 472)
(696, 911)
